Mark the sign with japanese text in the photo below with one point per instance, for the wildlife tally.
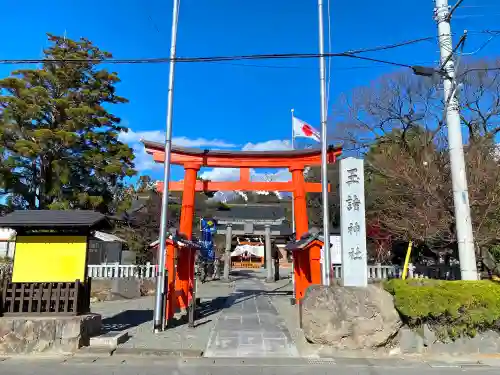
(335, 250)
(353, 223)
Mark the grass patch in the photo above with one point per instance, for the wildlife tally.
(451, 308)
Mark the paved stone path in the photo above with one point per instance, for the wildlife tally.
(135, 317)
(250, 326)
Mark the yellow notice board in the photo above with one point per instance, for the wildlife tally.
(49, 258)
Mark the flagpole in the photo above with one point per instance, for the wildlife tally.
(293, 195)
(293, 201)
(326, 266)
(159, 320)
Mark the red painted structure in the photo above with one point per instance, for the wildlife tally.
(194, 159)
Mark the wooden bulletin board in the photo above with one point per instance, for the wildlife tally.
(50, 259)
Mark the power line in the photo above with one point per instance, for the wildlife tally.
(471, 70)
(232, 60)
(161, 60)
(244, 65)
(378, 60)
(228, 59)
(492, 33)
(463, 16)
(392, 46)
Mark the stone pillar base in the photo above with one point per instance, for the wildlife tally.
(43, 334)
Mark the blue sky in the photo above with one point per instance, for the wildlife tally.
(233, 105)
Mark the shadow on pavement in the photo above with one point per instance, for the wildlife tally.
(243, 295)
(131, 318)
(207, 308)
(126, 319)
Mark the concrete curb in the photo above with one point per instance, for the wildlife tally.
(103, 352)
(142, 352)
(176, 358)
(463, 362)
(90, 351)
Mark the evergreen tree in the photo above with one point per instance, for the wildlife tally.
(59, 146)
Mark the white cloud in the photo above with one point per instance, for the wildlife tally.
(144, 161)
(221, 174)
(273, 145)
(233, 174)
(135, 137)
(159, 136)
(201, 142)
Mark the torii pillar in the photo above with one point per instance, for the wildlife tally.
(307, 271)
(185, 262)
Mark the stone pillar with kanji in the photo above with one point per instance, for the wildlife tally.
(353, 223)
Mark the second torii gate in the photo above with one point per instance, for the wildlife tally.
(194, 159)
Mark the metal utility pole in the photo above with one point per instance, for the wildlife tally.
(293, 194)
(293, 202)
(463, 221)
(159, 312)
(327, 264)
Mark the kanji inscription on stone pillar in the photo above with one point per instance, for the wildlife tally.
(353, 223)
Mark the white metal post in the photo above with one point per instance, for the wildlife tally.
(326, 265)
(227, 251)
(268, 254)
(159, 317)
(293, 195)
(463, 222)
(293, 200)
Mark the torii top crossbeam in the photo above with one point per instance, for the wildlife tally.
(244, 160)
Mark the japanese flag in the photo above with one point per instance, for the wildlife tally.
(304, 130)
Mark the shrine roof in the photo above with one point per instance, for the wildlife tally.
(254, 213)
(284, 229)
(312, 235)
(53, 219)
(158, 146)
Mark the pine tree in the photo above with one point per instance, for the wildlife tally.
(59, 141)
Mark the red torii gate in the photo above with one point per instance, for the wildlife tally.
(306, 271)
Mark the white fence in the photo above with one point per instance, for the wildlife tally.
(148, 271)
(384, 272)
(110, 271)
(375, 272)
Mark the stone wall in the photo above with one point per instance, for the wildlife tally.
(350, 318)
(124, 288)
(425, 341)
(30, 335)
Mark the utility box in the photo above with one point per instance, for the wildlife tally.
(179, 287)
(307, 262)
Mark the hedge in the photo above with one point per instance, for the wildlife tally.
(451, 308)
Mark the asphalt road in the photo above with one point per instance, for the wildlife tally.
(205, 366)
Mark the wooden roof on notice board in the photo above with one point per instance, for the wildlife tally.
(54, 219)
